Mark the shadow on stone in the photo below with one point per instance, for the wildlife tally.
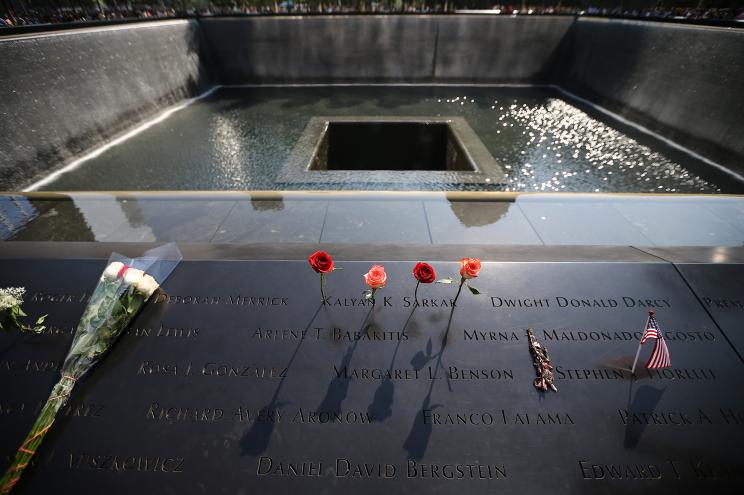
(642, 404)
(381, 407)
(339, 386)
(422, 358)
(256, 439)
(418, 438)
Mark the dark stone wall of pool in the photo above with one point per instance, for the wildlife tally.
(464, 48)
(65, 92)
(684, 82)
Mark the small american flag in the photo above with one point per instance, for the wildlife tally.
(660, 355)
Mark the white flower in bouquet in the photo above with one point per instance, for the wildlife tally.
(112, 271)
(142, 282)
(10, 297)
(133, 276)
(147, 285)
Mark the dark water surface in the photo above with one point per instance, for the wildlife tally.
(239, 138)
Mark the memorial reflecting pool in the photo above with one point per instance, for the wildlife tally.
(240, 138)
(593, 201)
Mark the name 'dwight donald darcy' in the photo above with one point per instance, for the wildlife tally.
(583, 302)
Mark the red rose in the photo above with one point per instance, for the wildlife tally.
(424, 273)
(469, 267)
(321, 262)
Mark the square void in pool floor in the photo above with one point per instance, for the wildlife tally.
(388, 146)
(372, 147)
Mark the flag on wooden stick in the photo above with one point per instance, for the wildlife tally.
(660, 355)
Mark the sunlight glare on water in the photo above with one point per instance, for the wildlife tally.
(239, 138)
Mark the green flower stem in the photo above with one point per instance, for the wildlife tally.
(459, 289)
(415, 292)
(14, 314)
(373, 296)
(322, 286)
(57, 399)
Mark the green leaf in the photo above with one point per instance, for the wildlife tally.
(14, 318)
(41, 319)
(474, 290)
(367, 294)
(337, 268)
(444, 281)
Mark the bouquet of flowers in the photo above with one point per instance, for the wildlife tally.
(124, 288)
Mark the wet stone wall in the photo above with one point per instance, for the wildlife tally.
(65, 92)
(681, 81)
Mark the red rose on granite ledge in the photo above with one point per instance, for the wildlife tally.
(424, 273)
(321, 262)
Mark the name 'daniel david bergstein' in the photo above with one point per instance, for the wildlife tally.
(349, 468)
